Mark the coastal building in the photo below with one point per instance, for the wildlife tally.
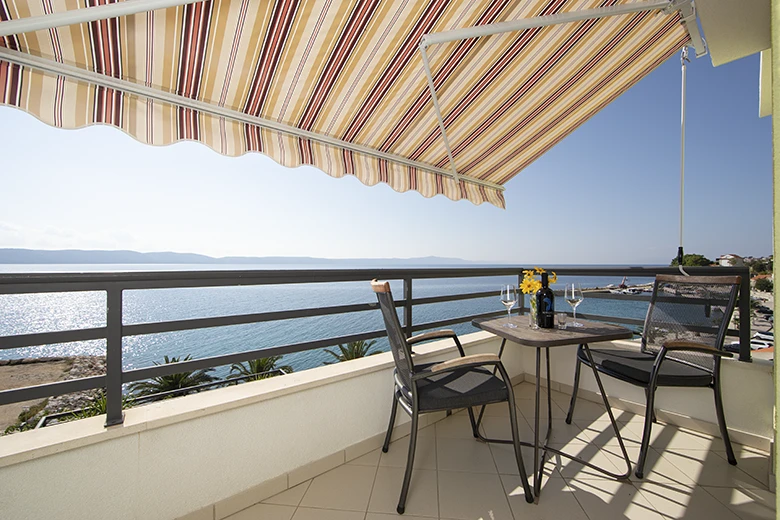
(730, 261)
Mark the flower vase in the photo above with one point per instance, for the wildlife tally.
(532, 312)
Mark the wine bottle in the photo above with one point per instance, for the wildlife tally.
(545, 305)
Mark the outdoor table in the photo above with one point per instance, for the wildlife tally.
(544, 339)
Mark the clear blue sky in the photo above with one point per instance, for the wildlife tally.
(607, 194)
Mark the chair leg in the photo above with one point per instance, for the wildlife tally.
(529, 495)
(409, 464)
(474, 426)
(574, 390)
(640, 464)
(724, 432)
(647, 396)
(393, 410)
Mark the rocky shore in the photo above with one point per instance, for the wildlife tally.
(16, 373)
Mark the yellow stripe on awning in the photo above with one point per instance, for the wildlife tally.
(340, 85)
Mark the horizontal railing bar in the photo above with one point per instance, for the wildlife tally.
(453, 321)
(30, 393)
(611, 319)
(49, 338)
(241, 319)
(454, 297)
(139, 374)
(65, 282)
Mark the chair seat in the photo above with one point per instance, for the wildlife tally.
(636, 367)
(459, 389)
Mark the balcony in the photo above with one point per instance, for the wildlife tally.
(306, 445)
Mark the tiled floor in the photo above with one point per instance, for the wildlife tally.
(456, 477)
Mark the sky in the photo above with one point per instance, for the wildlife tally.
(607, 194)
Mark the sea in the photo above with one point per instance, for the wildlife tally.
(49, 312)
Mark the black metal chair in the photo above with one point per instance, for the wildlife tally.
(682, 346)
(462, 382)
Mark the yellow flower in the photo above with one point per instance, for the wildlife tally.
(553, 278)
(536, 285)
(539, 270)
(529, 273)
(527, 286)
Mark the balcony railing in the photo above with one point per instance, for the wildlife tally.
(113, 284)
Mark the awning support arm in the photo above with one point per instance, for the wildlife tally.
(94, 78)
(684, 6)
(87, 14)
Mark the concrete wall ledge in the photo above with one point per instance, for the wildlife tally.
(30, 445)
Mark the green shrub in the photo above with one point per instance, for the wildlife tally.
(764, 284)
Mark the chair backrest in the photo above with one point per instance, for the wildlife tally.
(402, 354)
(690, 308)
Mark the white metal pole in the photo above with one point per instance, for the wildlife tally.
(87, 14)
(435, 99)
(684, 63)
(541, 21)
(207, 108)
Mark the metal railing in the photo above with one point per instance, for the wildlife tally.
(113, 284)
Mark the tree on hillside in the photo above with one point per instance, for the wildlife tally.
(353, 350)
(693, 261)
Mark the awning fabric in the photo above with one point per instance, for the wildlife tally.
(349, 70)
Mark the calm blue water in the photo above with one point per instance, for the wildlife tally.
(23, 314)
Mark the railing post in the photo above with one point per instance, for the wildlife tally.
(408, 306)
(114, 413)
(744, 318)
(521, 309)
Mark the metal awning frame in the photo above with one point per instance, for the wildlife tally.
(129, 7)
(686, 8)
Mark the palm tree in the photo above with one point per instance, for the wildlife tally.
(176, 381)
(353, 350)
(254, 369)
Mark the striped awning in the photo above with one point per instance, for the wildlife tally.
(339, 84)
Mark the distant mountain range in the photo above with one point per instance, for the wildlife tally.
(76, 256)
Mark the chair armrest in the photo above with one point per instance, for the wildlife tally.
(436, 334)
(468, 360)
(693, 346)
(473, 361)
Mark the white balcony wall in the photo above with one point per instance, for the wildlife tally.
(178, 456)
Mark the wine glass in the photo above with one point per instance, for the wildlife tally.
(509, 299)
(573, 295)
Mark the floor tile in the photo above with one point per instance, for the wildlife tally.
(264, 512)
(470, 496)
(589, 411)
(422, 499)
(424, 454)
(657, 468)
(563, 434)
(602, 433)
(526, 391)
(527, 408)
(610, 499)
(496, 410)
(556, 502)
(748, 504)
(707, 468)
(369, 459)
(393, 516)
(668, 437)
(691, 503)
(504, 457)
(501, 428)
(464, 455)
(290, 497)
(569, 468)
(754, 463)
(346, 487)
(454, 427)
(307, 513)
